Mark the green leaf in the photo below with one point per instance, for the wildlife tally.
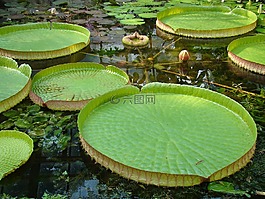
(6, 124)
(225, 187)
(260, 30)
(248, 52)
(40, 118)
(33, 109)
(132, 22)
(15, 82)
(36, 133)
(22, 123)
(70, 86)
(124, 16)
(42, 40)
(11, 113)
(16, 148)
(168, 130)
(147, 15)
(206, 21)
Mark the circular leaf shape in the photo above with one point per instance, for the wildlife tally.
(15, 82)
(70, 86)
(15, 149)
(42, 40)
(168, 134)
(248, 53)
(206, 21)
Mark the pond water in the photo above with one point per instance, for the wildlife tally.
(70, 172)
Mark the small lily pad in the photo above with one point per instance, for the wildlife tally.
(132, 22)
(148, 15)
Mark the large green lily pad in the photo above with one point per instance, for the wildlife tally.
(15, 82)
(15, 149)
(248, 53)
(206, 21)
(70, 86)
(42, 40)
(168, 134)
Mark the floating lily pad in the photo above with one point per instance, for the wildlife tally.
(132, 22)
(15, 82)
(168, 134)
(206, 21)
(15, 149)
(248, 53)
(71, 86)
(148, 15)
(42, 40)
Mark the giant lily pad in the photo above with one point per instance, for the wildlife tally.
(206, 21)
(15, 149)
(248, 53)
(42, 40)
(71, 86)
(15, 82)
(168, 134)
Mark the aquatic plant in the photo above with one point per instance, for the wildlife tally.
(206, 21)
(70, 86)
(248, 53)
(168, 134)
(15, 82)
(134, 13)
(48, 129)
(16, 148)
(44, 40)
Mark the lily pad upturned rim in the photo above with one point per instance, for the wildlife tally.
(63, 69)
(215, 33)
(15, 135)
(25, 71)
(151, 177)
(246, 62)
(44, 54)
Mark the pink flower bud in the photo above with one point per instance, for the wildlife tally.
(184, 55)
